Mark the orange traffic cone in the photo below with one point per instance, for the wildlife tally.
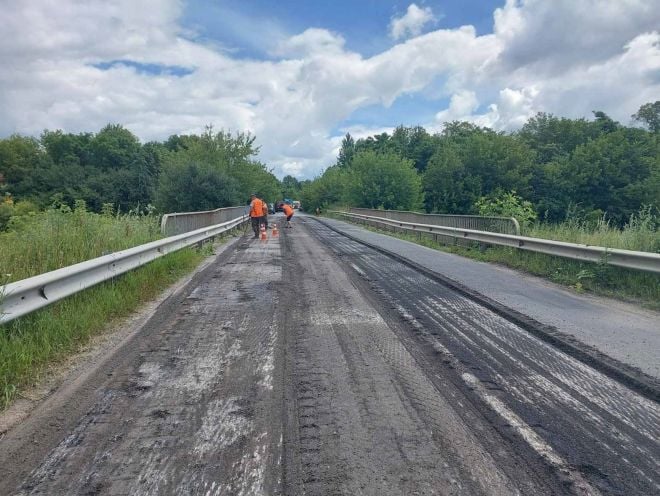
(275, 231)
(264, 235)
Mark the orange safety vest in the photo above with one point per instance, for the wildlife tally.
(287, 209)
(257, 208)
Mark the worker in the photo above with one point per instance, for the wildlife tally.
(256, 213)
(288, 211)
(264, 205)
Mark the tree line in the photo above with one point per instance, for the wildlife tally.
(113, 168)
(550, 168)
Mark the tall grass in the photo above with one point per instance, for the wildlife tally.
(56, 238)
(640, 234)
(59, 237)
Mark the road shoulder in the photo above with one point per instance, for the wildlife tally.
(624, 332)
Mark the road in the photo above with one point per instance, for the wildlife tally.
(313, 364)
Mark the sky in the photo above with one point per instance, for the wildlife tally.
(300, 74)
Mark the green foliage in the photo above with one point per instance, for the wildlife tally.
(11, 212)
(211, 171)
(564, 167)
(60, 236)
(195, 187)
(291, 187)
(471, 163)
(383, 180)
(30, 343)
(21, 159)
(325, 190)
(413, 143)
(649, 115)
(616, 173)
(507, 204)
(346, 152)
(594, 167)
(113, 167)
(553, 138)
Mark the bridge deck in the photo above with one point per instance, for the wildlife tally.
(312, 364)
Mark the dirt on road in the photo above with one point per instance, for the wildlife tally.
(309, 364)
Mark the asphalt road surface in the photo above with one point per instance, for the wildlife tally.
(312, 364)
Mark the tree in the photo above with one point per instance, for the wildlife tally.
(346, 151)
(326, 190)
(231, 154)
(114, 147)
(553, 137)
(472, 163)
(383, 180)
(649, 115)
(604, 123)
(507, 204)
(290, 187)
(615, 174)
(194, 187)
(447, 187)
(21, 159)
(413, 143)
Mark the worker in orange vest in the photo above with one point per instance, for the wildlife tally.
(265, 208)
(256, 213)
(288, 211)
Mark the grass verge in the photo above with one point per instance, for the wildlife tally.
(31, 343)
(625, 284)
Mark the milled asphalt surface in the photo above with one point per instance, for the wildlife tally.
(310, 363)
(622, 331)
(274, 371)
(580, 421)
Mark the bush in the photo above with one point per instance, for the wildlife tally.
(507, 205)
(12, 212)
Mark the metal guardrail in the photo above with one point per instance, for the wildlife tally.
(22, 297)
(179, 223)
(504, 225)
(640, 260)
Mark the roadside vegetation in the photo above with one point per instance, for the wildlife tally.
(593, 181)
(640, 233)
(560, 169)
(37, 242)
(183, 173)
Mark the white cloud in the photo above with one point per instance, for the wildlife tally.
(412, 23)
(546, 37)
(512, 109)
(590, 57)
(461, 106)
(313, 41)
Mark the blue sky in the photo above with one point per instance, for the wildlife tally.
(300, 74)
(363, 23)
